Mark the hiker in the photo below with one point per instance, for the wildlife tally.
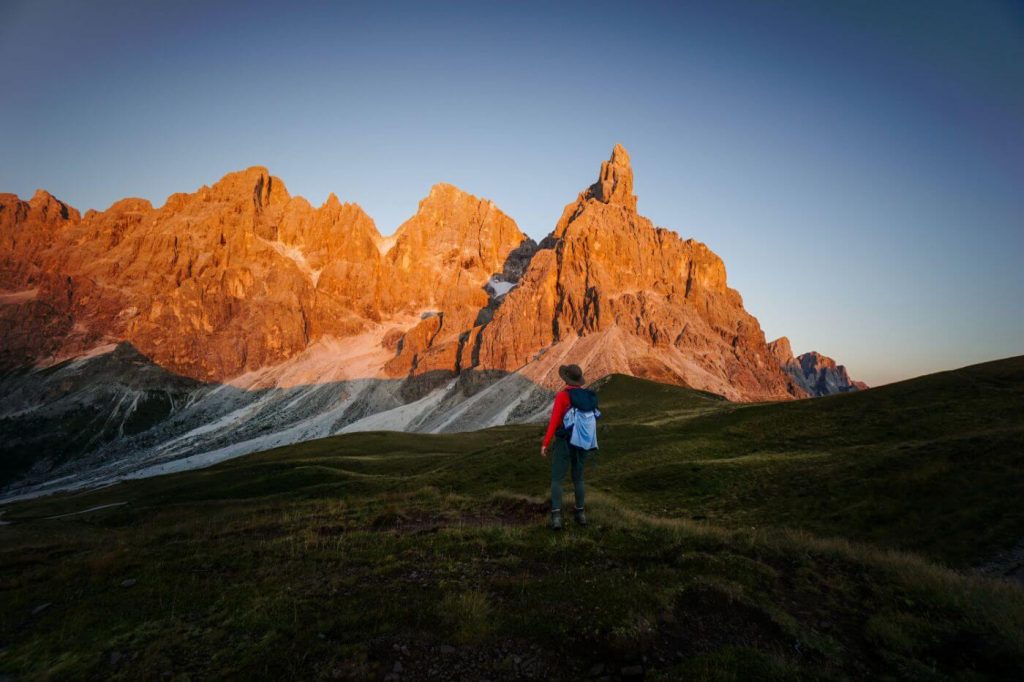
(573, 429)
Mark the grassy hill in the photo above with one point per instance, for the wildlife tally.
(827, 538)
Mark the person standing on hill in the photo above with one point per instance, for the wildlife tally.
(572, 428)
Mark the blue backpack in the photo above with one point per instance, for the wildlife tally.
(579, 425)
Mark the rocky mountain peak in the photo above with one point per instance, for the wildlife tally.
(441, 188)
(612, 293)
(815, 373)
(130, 204)
(813, 361)
(240, 276)
(41, 196)
(613, 189)
(782, 350)
(255, 183)
(443, 194)
(50, 207)
(447, 251)
(615, 184)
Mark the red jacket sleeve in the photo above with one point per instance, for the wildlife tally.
(558, 411)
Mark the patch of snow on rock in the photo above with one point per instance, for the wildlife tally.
(296, 255)
(385, 244)
(499, 287)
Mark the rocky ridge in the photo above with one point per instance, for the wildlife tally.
(313, 322)
(236, 276)
(815, 373)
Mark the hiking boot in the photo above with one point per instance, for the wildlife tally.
(580, 516)
(556, 520)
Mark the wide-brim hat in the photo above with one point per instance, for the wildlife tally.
(571, 374)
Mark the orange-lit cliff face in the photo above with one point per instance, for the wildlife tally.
(241, 275)
(235, 276)
(613, 293)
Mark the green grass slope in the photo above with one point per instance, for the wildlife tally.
(820, 539)
(934, 465)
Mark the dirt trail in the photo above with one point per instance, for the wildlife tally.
(85, 511)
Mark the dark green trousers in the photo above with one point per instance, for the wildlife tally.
(565, 457)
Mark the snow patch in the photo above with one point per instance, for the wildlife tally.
(298, 257)
(385, 244)
(499, 287)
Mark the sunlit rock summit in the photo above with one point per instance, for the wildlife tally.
(239, 317)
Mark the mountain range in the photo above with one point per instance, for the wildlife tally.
(236, 318)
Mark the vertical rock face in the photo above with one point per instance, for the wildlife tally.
(199, 285)
(661, 303)
(815, 373)
(36, 297)
(441, 262)
(443, 255)
(235, 276)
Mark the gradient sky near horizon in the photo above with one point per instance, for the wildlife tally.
(859, 166)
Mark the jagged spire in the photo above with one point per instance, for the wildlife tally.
(615, 184)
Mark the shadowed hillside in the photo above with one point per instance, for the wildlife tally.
(826, 538)
(934, 464)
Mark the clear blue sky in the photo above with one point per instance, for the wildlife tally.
(859, 166)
